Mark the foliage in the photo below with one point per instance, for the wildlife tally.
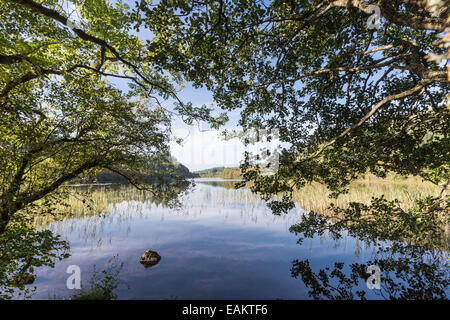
(406, 277)
(102, 284)
(62, 113)
(407, 191)
(22, 249)
(382, 220)
(343, 97)
(411, 250)
(220, 172)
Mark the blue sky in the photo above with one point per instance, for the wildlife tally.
(202, 147)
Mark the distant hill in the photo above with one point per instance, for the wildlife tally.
(161, 172)
(220, 172)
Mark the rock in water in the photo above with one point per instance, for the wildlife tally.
(150, 258)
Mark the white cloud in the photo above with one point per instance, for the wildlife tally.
(206, 149)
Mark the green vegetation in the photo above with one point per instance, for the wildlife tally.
(22, 249)
(316, 197)
(61, 117)
(102, 284)
(344, 97)
(61, 114)
(88, 201)
(220, 172)
(411, 250)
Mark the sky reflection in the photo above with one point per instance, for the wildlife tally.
(222, 244)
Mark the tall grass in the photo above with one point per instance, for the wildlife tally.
(87, 202)
(315, 196)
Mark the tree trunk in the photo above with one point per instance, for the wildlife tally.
(2, 226)
(4, 219)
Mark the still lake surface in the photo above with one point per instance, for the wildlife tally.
(221, 244)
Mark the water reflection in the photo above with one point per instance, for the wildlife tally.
(412, 264)
(224, 243)
(415, 274)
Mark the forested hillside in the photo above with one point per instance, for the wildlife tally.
(159, 172)
(220, 172)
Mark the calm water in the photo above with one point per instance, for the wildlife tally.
(222, 244)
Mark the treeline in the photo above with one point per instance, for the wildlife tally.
(159, 172)
(220, 172)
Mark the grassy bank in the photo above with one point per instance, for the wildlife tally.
(407, 190)
(220, 172)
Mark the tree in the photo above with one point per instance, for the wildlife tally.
(346, 97)
(61, 111)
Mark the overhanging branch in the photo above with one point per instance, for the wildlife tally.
(422, 84)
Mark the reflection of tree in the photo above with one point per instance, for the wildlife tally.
(321, 285)
(92, 200)
(92, 207)
(24, 245)
(405, 276)
(411, 252)
(22, 248)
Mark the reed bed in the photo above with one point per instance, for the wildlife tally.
(95, 201)
(87, 202)
(315, 196)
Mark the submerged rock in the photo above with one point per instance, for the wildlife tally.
(149, 258)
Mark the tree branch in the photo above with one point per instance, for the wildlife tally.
(10, 59)
(53, 186)
(415, 22)
(380, 104)
(53, 14)
(25, 78)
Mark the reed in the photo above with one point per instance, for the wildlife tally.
(87, 202)
(316, 197)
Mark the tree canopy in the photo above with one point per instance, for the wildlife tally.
(345, 96)
(65, 107)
